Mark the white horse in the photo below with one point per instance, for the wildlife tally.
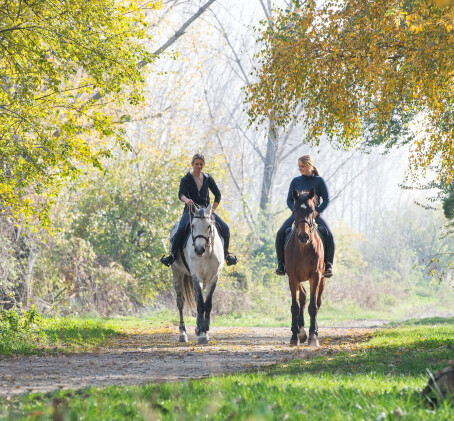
(204, 255)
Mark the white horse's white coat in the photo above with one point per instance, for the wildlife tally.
(205, 260)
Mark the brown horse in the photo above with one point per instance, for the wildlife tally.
(304, 261)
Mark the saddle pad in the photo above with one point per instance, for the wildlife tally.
(185, 238)
(323, 233)
(288, 234)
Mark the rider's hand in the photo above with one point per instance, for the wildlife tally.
(189, 202)
(315, 214)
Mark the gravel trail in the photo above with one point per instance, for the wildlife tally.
(154, 355)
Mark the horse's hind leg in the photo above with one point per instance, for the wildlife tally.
(178, 279)
(302, 300)
(295, 311)
(320, 292)
(313, 310)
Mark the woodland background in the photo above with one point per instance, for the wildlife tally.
(84, 225)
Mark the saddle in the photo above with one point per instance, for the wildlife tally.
(321, 229)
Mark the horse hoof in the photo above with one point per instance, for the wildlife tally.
(203, 339)
(183, 337)
(313, 341)
(294, 342)
(302, 336)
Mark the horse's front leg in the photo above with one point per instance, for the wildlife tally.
(209, 303)
(295, 311)
(200, 330)
(178, 285)
(313, 309)
(302, 336)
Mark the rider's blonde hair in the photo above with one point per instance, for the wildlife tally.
(309, 162)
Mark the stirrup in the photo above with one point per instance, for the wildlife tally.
(167, 259)
(230, 259)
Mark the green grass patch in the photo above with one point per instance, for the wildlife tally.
(371, 382)
(29, 333)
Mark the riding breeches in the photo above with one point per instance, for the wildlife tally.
(179, 235)
(280, 239)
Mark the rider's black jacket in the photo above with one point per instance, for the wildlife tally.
(188, 188)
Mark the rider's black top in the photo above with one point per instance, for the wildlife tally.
(306, 183)
(188, 188)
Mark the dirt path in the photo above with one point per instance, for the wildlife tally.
(154, 355)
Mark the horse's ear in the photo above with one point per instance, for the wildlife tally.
(295, 194)
(192, 209)
(311, 193)
(208, 209)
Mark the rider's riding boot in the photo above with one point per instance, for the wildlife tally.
(168, 260)
(328, 270)
(280, 269)
(230, 259)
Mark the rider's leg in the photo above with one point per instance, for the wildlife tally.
(177, 240)
(280, 240)
(330, 247)
(229, 258)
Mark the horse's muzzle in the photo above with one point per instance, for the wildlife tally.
(200, 251)
(303, 238)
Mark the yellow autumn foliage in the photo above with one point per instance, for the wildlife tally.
(370, 71)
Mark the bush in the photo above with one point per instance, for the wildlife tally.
(18, 330)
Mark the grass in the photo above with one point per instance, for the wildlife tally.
(18, 335)
(69, 334)
(370, 382)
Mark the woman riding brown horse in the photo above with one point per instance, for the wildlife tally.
(304, 260)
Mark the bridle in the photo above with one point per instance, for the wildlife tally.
(208, 241)
(312, 224)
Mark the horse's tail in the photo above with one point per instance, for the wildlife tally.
(188, 293)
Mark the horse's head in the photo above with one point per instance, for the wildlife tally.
(303, 210)
(202, 229)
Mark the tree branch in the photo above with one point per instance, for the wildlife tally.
(169, 42)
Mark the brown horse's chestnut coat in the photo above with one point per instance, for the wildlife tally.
(304, 261)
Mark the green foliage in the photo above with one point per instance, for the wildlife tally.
(18, 330)
(383, 374)
(55, 56)
(26, 332)
(127, 212)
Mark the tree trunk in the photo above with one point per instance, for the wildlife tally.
(269, 168)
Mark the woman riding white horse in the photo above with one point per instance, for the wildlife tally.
(199, 264)
(194, 189)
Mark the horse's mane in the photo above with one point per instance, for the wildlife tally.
(200, 212)
(314, 199)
